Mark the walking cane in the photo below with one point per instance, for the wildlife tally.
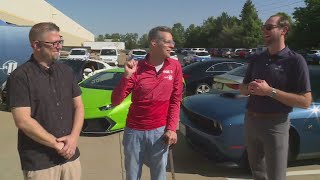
(171, 162)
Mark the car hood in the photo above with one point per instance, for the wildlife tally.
(228, 78)
(93, 98)
(216, 106)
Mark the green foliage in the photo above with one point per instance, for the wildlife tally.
(226, 31)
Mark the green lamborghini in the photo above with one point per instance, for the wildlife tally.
(100, 116)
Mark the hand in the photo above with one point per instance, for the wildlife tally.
(130, 67)
(58, 146)
(259, 87)
(70, 145)
(170, 137)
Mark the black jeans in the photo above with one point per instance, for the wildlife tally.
(267, 140)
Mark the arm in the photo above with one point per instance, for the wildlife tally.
(293, 100)
(24, 121)
(19, 102)
(78, 116)
(122, 90)
(246, 80)
(170, 135)
(126, 83)
(244, 89)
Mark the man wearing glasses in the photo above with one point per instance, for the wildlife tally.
(156, 87)
(47, 109)
(276, 80)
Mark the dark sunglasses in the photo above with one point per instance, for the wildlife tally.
(269, 27)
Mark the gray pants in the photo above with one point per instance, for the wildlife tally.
(267, 139)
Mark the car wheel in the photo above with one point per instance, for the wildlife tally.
(202, 88)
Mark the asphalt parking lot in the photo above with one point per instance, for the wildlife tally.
(102, 158)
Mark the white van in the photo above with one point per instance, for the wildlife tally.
(79, 53)
(109, 55)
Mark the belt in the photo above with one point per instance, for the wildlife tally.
(255, 114)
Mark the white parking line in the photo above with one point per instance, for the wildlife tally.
(290, 173)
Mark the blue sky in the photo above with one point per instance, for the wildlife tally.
(139, 16)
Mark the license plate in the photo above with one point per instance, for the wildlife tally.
(182, 129)
(218, 86)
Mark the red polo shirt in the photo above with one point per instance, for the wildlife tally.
(156, 96)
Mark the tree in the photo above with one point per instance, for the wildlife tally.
(250, 26)
(131, 40)
(143, 41)
(99, 38)
(306, 30)
(178, 35)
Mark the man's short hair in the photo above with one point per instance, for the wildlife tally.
(154, 32)
(38, 30)
(283, 21)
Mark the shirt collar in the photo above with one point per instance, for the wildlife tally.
(40, 66)
(146, 59)
(281, 54)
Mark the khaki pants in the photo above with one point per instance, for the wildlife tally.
(68, 171)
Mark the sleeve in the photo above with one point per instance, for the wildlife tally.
(303, 81)
(175, 101)
(122, 90)
(76, 91)
(18, 90)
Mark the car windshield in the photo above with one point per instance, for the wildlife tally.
(312, 52)
(75, 65)
(202, 54)
(139, 53)
(78, 52)
(172, 53)
(108, 52)
(103, 80)
(239, 71)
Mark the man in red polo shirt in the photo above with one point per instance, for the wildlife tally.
(156, 87)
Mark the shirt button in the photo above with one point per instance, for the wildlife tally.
(58, 104)
(54, 91)
(61, 117)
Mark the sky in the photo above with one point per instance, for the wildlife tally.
(139, 16)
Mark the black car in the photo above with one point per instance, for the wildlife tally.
(199, 76)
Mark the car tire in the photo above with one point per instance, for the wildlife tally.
(202, 88)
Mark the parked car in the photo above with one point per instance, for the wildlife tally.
(236, 52)
(188, 59)
(214, 124)
(99, 115)
(84, 68)
(173, 55)
(79, 53)
(199, 76)
(313, 57)
(226, 52)
(137, 54)
(230, 80)
(109, 55)
(201, 56)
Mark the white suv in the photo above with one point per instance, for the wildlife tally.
(79, 53)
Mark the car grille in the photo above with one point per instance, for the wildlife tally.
(209, 126)
(97, 125)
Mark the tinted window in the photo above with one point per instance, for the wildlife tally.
(240, 71)
(75, 65)
(103, 80)
(312, 52)
(202, 54)
(108, 52)
(139, 52)
(78, 52)
(314, 79)
(221, 67)
(101, 66)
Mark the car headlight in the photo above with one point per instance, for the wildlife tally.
(105, 108)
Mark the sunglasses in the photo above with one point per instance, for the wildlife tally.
(53, 44)
(269, 27)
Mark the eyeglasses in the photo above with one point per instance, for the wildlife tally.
(269, 27)
(168, 42)
(53, 44)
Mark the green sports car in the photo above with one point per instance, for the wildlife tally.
(100, 116)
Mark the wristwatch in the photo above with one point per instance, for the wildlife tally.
(273, 93)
